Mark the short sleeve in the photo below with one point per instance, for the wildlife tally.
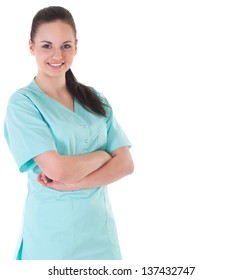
(26, 131)
(116, 137)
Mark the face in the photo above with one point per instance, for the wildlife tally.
(54, 48)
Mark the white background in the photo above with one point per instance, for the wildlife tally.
(172, 71)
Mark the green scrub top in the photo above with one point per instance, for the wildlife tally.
(57, 225)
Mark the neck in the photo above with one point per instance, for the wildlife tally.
(56, 89)
(53, 86)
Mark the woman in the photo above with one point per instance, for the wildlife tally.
(64, 135)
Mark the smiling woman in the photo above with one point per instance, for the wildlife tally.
(65, 136)
(54, 46)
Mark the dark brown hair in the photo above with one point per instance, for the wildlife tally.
(84, 94)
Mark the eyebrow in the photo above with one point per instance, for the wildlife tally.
(48, 42)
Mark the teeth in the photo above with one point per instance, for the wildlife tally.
(59, 64)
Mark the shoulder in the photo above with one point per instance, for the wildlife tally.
(21, 105)
(23, 96)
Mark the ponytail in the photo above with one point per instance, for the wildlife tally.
(85, 95)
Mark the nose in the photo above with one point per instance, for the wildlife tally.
(57, 54)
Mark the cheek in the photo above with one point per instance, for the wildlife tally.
(69, 57)
(43, 54)
(41, 59)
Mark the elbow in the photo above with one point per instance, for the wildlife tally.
(58, 172)
(52, 165)
(64, 175)
(130, 167)
(56, 167)
(59, 175)
(128, 163)
(55, 174)
(67, 175)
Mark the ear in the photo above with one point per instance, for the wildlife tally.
(31, 46)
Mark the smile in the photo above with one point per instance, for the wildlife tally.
(56, 64)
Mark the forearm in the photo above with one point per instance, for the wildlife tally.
(70, 169)
(107, 174)
(119, 166)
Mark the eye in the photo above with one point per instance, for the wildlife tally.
(46, 46)
(67, 46)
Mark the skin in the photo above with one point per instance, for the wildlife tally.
(120, 165)
(54, 48)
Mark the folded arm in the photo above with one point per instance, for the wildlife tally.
(64, 168)
(120, 165)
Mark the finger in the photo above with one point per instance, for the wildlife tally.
(40, 181)
(44, 178)
(39, 178)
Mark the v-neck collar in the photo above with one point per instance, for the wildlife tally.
(43, 94)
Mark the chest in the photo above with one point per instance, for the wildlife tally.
(75, 132)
